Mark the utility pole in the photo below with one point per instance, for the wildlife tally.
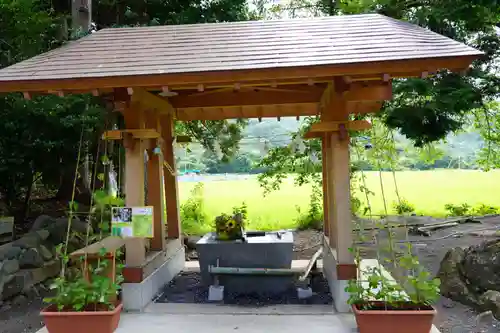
(81, 14)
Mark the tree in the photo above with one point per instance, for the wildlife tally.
(39, 139)
(424, 110)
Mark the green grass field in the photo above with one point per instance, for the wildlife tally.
(428, 191)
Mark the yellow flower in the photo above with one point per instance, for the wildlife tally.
(231, 224)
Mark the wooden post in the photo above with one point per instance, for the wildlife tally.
(326, 219)
(134, 182)
(330, 170)
(342, 217)
(155, 187)
(171, 186)
(336, 146)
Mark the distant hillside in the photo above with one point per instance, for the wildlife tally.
(260, 136)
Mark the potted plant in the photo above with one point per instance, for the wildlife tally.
(231, 227)
(379, 302)
(86, 300)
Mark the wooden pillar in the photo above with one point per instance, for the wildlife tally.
(330, 170)
(336, 153)
(326, 219)
(171, 186)
(341, 195)
(134, 182)
(155, 186)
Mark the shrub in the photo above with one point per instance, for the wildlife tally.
(458, 210)
(313, 219)
(483, 209)
(403, 207)
(243, 210)
(193, 217)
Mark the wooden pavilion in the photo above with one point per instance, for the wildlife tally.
(332, 67)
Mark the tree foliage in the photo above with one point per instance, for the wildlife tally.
(39, 139)
(424, 110)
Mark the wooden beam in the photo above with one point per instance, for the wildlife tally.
(334, 126)
(171, 186)
(144, 134)
(267, 111)
(151, 101)
(363, 107)
(303, 73)
(369, 91)
(244, 97)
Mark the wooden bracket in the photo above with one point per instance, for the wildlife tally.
(136, 134)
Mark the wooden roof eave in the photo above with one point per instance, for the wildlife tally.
(394, 68)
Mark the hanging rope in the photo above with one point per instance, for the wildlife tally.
(89, 227)
(71, 208)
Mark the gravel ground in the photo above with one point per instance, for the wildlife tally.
(22, 314)
(187, 288)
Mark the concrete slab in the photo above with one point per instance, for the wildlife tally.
(210, 318)
(160, 323)
(219, 309)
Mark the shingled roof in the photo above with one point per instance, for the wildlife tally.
(252, 45)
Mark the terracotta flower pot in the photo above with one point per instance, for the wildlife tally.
(81, 322)
(406, 318)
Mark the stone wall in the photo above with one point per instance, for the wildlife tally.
(32, 258)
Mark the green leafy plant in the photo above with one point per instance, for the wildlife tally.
(374, 288)
(96, 291)
(313, 219)
(415, 289)
(231, 227)
(458, 210)
(100, 213)
(242, 209)
(193, 217)
(403, 206)
(482, 209)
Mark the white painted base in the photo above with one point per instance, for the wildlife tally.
(216, 293)
(337, 288)
(136, 296)
(304, 293)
